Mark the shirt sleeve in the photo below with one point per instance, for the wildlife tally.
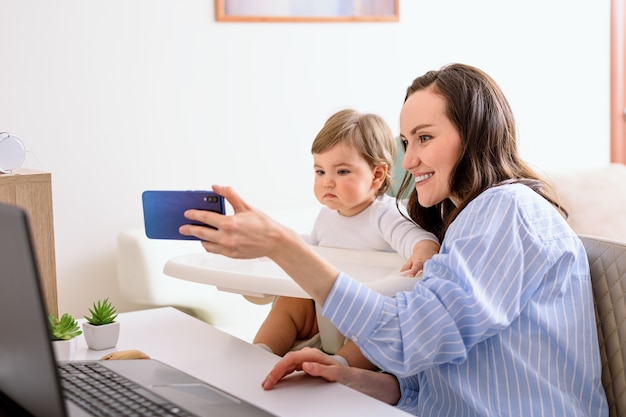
(401, 233)
(474, 288)
(409, 390)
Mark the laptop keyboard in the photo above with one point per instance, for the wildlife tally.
(103, 392)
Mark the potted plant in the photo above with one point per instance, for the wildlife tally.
(101, 330)
(63, 332)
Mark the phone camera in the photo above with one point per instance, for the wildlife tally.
(211, 199)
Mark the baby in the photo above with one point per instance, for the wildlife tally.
(353, 157)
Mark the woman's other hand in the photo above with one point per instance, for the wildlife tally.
(314, 362)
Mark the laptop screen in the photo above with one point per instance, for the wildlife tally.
(28, 374)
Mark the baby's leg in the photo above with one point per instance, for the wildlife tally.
(289, 320)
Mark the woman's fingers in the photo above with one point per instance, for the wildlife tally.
(293, 361)
(232, 197)
(316, 363)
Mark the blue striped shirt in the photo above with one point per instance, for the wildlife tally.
(501, 324)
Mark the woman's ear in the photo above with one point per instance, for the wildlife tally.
(380, 174)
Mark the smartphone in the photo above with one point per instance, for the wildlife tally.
(163, 211)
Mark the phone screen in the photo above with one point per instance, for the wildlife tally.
(163, 211)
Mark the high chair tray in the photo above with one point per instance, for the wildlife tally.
(261, 277)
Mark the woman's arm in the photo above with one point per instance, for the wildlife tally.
(250, 234)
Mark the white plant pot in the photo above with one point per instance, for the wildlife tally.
(101, 337)
(65, 350)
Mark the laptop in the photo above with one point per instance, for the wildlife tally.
(30, 377)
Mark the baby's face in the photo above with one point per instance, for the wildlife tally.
(344, 181)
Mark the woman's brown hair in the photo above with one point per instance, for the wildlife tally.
(483, 118)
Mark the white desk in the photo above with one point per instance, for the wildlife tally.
(234, 366)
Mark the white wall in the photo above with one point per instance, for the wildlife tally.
(115, 97)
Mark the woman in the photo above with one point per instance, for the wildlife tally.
(502, 322)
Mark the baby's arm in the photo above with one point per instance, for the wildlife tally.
(422, 251)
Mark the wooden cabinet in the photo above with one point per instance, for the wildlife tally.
(32, 191)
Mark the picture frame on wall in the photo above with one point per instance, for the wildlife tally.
(306, 10)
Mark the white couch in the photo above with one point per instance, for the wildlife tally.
(595, 199)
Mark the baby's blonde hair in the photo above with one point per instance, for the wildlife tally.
(368, 134)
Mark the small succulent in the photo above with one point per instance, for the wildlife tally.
(102, 312)
(64, 328)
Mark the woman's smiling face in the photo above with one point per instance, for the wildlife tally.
(433, 146)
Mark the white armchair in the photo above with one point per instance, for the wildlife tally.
(607, 260)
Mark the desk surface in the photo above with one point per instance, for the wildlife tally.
(233, 365)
